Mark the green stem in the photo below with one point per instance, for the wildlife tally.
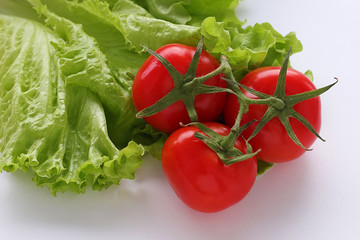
(224, 145)
(229, 140)
(197, 81)
(271, 101)
(190, 107)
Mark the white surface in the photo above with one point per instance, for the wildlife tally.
(314, 197)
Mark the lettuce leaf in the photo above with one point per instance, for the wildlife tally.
(247, 47)
(152, 140)
(191, 12)
(52, 114)
(123, 23)
(65, 90)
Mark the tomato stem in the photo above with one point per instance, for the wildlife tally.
(228, 154)
(224, 145)
(199, 80)
(263, 99)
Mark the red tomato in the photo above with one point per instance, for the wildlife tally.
(153, 82)
(276, 146)
(198, 176)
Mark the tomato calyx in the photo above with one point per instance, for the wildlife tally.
(186, 86)
(280, 105)
(223, 146)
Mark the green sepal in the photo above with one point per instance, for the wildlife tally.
(269, 114)
(263, 166)
(175, 75)
(229, 154)
(280, 86)
(296, 98)
(186, 86)
(281, 106)
(191, 72)
(170, 98)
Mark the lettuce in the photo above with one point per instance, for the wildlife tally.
(66, 71)
(248, 47)
(53, 94)
(191, 12)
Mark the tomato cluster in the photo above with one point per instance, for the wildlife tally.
(210, 166)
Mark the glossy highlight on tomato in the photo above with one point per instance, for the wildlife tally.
(198, 176)
(153, 82)
(276, 146)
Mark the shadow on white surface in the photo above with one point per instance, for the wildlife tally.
(274, 198)
(106, 209)
(148, 202)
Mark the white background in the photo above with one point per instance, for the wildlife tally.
(314, 197)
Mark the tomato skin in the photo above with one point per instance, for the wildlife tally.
(276, 146)
(197, 175)
(153, 82)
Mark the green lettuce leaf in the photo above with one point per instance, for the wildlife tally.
(18, 8)
(119, 31)
(152, 139)
(54, 100)
(170, 10)
(67, 71)
(190, 12)
(247, 47)
(123, 23)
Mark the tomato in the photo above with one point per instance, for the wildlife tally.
(153, 82)
(198, 176)
(276, 146)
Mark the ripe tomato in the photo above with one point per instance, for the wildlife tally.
(153, 82)
(276, 146)
(198, 176)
